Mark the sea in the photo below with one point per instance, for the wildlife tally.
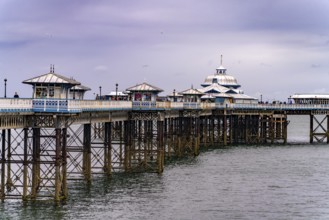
(236, 182)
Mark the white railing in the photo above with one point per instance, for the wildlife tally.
(283, 107)
(192, 105)
(163, 105)
(101, 105)
(206, 105)
(75, 106)
(176, 105)
(15, 105)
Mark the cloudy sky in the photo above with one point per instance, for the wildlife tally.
(273, 48)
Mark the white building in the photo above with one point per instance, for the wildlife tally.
(144, 92)
(192, 95)
(221, 87)
(310, 99)
(51, 85)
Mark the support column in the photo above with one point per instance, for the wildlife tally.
(121, 146)
(25, 166)
(170, 137)
(160, 146)
(127, 139)
(311, 128)
(180, 137)
(35, 162)
(64, 163)
(9, 183)
(58, 161)
(327, 133)
(3, 162)
(225, 127)
(272, 127)
(87, 152)
(196, 136)
(285, 130)
(108, 148)
(212, 130)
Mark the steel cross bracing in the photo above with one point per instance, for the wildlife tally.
(32, 164)
(319, 128)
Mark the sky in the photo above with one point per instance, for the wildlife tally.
(273, 48)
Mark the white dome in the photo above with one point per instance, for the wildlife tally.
(221, 79)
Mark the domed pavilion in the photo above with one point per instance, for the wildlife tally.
(221, 87)
(221, 78)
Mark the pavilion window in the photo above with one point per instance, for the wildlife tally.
(41, 92)
(147, 97)
(138, 97)
(51, 92)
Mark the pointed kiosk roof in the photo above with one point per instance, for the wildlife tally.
(144, 87)
(51, 78)
(192, 91)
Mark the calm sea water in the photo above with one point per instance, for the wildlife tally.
(254, 182)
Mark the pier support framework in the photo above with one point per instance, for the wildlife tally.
(144, 142)
(38, 160)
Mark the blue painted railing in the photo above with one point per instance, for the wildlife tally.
(50, 105)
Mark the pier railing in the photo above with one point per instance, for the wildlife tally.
(100, 105)
(283, 107)
(15, 105)
(76, 106)
(8, 105)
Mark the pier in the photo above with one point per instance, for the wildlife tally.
(57, 137)
(47, 143)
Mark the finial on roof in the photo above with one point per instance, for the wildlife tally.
(52, 68)
(221, 69)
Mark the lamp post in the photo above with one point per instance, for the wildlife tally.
(5, 88)
(116, 91)
(174, 95)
